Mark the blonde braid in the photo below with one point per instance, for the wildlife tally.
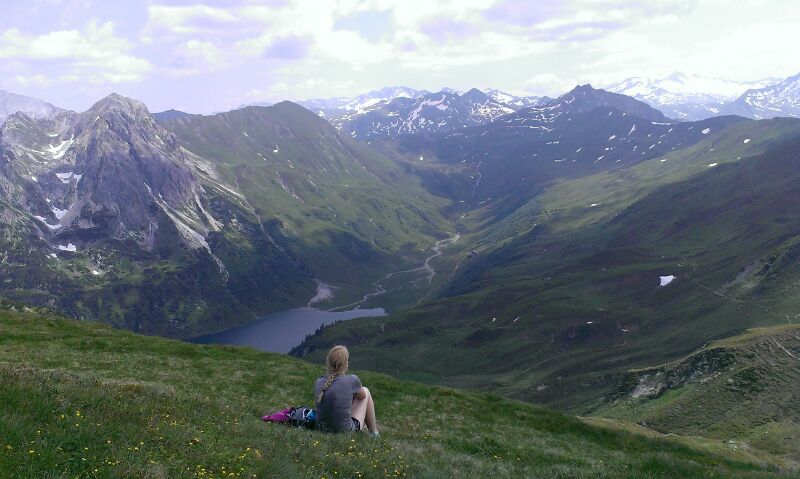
(328, 382)
(336, 364)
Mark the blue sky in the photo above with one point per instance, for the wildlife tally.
(215, 55)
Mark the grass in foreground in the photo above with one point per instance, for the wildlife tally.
(83, 400)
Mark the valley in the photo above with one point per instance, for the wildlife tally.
(552, 240)
(564, 252)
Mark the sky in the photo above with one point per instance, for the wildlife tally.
(214, 55)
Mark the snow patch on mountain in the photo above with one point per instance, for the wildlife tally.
(68, 247)
(58, 151)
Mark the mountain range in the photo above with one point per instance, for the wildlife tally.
(430, 113)
(111, 216)
(694, 97)
(394, 111)
(598, 238)
(580, 252)
(331, 107)
(780, 98)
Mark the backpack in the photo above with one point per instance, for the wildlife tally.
(302, 416)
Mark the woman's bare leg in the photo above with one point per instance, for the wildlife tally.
(364, 411)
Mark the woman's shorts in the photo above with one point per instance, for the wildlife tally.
(356, 425)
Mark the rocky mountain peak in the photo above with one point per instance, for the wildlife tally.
(584, 98)
(116, 103)
(109, 172)
(11, 103)
(476, 96)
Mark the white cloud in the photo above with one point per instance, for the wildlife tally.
(546, 84)
(752, 52)
(299, 90)
(28, 80)
(95, 54)
(190, 19)
(196, 57)
(269, 49)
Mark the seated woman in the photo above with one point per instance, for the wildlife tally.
(342, 404)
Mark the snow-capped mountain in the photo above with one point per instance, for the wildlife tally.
(777, 99)
(330, 107)
(584, 131)
(11, 103)
(515, 101)
(427, 114)
(580, 100)
(685, 97)
(339, 105)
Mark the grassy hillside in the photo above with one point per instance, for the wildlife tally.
(744, 389)
(559, 305)
(82, 400)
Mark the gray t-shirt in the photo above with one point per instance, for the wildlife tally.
(334, 412)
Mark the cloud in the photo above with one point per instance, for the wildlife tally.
(568, 12)
(524, 46)
(299, 90)
(532, 13)
(28, 80)
(96, 54)
(581, 20)
(192, 19)
(372, 25)
(546, 84)
(205, 52)
(195, 57)
(236, 20)
(444, 29)
(290, 47)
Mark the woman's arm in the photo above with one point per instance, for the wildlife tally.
(360, 394)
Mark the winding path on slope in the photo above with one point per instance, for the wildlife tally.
(425, 267)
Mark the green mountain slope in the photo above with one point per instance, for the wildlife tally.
(745, 390)
(555, 312)
(82, 400)
(347, 211)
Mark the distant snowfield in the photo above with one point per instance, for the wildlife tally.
(665, 280)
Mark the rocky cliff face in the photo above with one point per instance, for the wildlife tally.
(110, 172)
(107, 195)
